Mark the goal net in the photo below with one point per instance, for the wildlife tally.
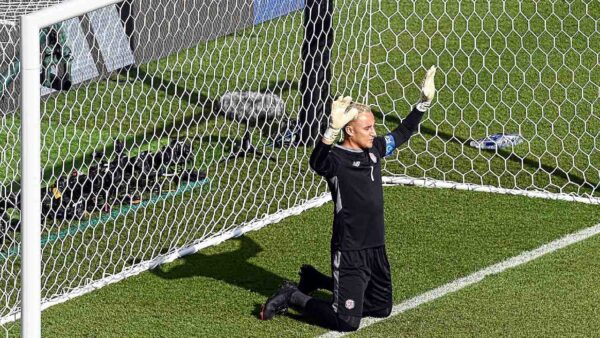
(523, 73)
(168, 126)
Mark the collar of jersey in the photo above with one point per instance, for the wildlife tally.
(359, 151)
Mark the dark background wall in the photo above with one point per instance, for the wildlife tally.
(153, 29)
(164, 27)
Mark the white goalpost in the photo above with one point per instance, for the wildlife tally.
(139, 131)
(31, 199)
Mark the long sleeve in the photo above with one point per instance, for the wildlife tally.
(408, 127)
(401, 134)
(321, 162)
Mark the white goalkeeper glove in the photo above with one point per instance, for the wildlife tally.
(427, 90)
(341, 114)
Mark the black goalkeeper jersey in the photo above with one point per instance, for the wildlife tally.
(354, 179)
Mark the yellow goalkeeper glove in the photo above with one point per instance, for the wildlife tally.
(427, 90)
(341, 114)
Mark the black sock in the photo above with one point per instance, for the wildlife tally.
(325, 282)
(313, 278)
(299, 300)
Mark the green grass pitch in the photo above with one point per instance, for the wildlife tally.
(433, 237)
(519, 67)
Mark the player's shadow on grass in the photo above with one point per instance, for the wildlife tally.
(231, 267)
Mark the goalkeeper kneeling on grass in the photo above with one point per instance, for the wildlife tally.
(361, 280)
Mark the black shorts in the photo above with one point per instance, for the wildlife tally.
(362, 281)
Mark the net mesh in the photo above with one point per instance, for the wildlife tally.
(526, 69)
(165, 127)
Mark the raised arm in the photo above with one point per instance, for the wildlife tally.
(411, 123)
(341, 114)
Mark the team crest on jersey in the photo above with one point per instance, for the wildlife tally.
(373, 157)
(349, 304)
(356, 164)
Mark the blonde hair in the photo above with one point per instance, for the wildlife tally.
(362, 108)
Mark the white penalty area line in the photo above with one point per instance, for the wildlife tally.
(478, 276)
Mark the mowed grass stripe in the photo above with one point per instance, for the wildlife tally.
(433, 237)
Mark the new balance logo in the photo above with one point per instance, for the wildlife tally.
(356, 164)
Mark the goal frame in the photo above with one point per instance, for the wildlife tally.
(31, 150)
(31, 169)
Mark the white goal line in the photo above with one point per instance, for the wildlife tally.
(431, 183)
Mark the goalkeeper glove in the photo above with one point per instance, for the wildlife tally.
(427, 90)
(341, 114)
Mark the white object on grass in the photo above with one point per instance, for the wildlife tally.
(497, 141)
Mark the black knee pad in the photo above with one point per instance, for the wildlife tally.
(384, 312)
(379, 313)
(348, 323)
